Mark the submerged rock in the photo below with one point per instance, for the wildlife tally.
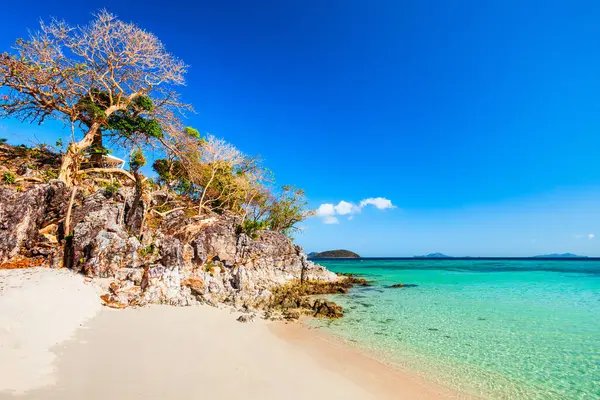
(327, 309)
(402, 285)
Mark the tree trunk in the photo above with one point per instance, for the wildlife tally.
(96, 158)
(67, 224)
(214, 172)
(70, 161)
(135, 216)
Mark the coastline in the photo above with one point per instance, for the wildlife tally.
(175, 352)
(382, 380)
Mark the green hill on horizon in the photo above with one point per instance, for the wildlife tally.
(334, 254)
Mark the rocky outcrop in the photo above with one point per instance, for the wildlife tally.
(327, 309)
(175, 260)
(24, 214)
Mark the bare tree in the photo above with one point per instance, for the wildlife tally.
(109, 76)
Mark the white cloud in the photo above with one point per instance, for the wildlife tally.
(379, 202)
(327, 211)
(345, 208)
(580, 236)
(330, 219)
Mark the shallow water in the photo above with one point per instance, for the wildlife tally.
(505, 329)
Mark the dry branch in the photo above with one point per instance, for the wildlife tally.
(107, 171)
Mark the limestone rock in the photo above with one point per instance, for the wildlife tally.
(23, 214)
(179, 260)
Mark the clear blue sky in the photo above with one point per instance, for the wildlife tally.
(478, 120)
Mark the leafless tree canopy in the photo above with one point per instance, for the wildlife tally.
(59, 65)
(60, 69)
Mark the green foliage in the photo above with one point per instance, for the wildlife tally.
(59, 143)
(48, 175)
(172, 171)
(10, 177)
(144, 103)
(111, 188)
(191, 132)
(3, 140)
(129, 125)
(287, 210)
(95, 149)
(163, 168)
(92, 106)
(252, 227)
(147, 250)
(137, 159)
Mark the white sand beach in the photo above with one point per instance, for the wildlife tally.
(58, 342)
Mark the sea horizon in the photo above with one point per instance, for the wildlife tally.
(525, 258)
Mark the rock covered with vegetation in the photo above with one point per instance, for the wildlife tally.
(334, 254)
(176, 258)
(210, 226)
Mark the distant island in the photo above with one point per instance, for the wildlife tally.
(334, 254)
(434, 255)
(563, 255)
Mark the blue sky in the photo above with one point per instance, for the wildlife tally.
(479, 121)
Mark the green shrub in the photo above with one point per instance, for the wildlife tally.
(48, 175)
(251, 228)
(147, 250)
(111, 187)
(10, 177)
(137, 160)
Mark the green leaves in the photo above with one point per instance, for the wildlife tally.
(10, 177)
(252, 227)
(137, 159)
(126, 125)
(191, 132)
(144, 103)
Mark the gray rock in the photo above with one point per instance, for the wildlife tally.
(181, 261)
(23, 214)
(245, 318)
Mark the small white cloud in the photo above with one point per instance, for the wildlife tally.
(330, 219)
(345, 208)
(325, 210)
(328, 211)
(591, 236)
(379, 202)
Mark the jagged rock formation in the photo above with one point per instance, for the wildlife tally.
(176, 259)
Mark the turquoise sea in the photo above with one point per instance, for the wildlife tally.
(500, 329)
